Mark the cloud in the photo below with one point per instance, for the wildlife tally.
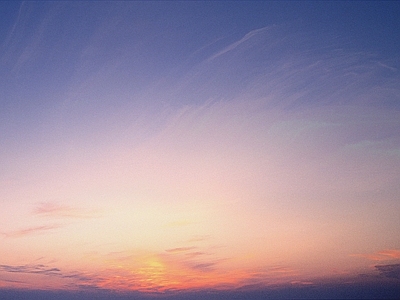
(54, 211)
(31, 269)
(58, 210)
(205, 267)
(195, 254)
(278, 273)
(239, 42)
(70, 280)
(192, 258)
(388, 254)
(31, 230)
(25, 42)
(390, 271)
(284, 67)
(393, 253)
(180, 249)
(235, 158)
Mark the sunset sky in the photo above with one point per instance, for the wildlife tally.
(183, 148)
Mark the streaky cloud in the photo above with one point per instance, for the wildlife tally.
(289, 69)
(388, 254)
(196, 254)
(205, 267)
(236, 44)
(31, 230)
(60, 210)
(32, 269)
(180, 249)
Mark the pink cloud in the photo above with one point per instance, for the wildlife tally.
(57, 210)
(195, 254)
(31, 230)
(388, 254)
(392, 253)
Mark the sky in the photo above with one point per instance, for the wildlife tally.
(228, 150)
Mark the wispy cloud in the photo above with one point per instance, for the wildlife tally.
(32, 269)
(238, 43)
(31, 230)
(158, 273)
(50, 210)
(389, 254)
(58, 210)
(180, 249)
(69, 279)
(205, 267)
(20, 53)
(195, 254)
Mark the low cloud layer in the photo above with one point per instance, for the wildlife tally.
(390, 271)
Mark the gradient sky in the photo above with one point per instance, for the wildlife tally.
(160, 147)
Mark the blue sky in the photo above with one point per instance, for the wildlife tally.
(159, 147)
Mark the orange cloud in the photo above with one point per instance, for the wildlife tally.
(176, 269)
(195, 254)
(388, 254)
(393, 253)
(152, 272)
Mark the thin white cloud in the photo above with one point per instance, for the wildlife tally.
(238, 43)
